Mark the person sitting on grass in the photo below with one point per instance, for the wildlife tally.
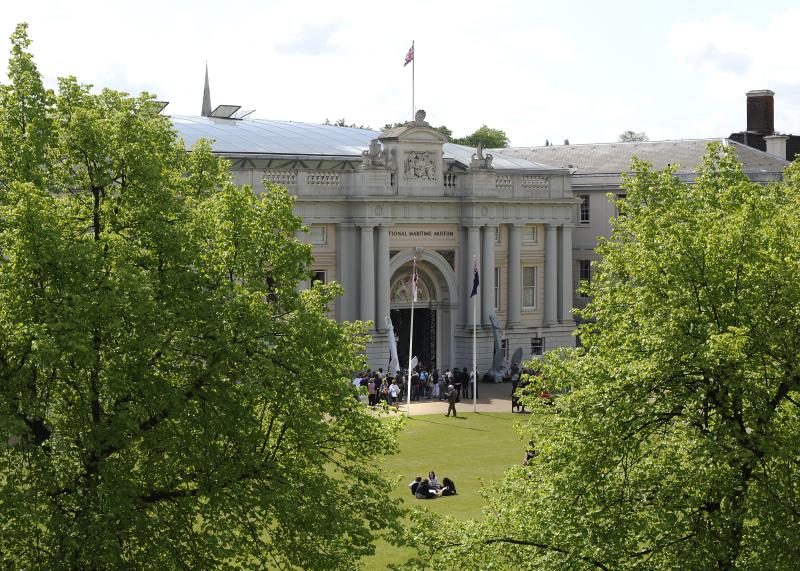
(414, 485)
(425, 492)
(449, 488)
(434, 483)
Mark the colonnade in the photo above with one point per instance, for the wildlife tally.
(369, 282)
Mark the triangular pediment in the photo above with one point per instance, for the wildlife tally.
(417, 131)
(410, 133)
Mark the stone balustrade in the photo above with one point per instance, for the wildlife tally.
(356, 183)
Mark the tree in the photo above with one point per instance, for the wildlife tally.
(343, 123)
(632, 137)
(676, 443)
(487, 137)
(168, 398)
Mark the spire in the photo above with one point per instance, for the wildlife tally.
(206, 97)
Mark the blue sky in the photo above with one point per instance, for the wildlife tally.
(580, 70)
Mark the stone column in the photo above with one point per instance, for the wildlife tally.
(567, 284)
(551, 275)
(367, 274)
(347, 271)
(514, 276)
(382, 278)
(487, 274)
(464, 260)
(473, 249)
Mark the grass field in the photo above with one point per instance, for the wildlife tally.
(467, 449)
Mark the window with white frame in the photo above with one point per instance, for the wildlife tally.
(584, 208)
(537, 345)
(529, 286)
(585, 273)
(497, 288)
(529, 234)
(318, 235)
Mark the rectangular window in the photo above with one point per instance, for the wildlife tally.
(585, 274)
(585, 270)
(529, 234)
(497, 288)
(497, 236)
(584, 208)
(319, 276)
(504, 347)
(318, 235)
(619, 198)
(529, 287)
(537, 345)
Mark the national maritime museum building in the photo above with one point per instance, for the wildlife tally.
(377, 201)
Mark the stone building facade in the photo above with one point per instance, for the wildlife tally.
(375, 202)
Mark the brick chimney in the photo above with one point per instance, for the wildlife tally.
(761, 111)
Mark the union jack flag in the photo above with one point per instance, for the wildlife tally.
(409, 55)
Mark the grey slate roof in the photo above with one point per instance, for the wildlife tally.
(500, 159)
(612, 158)
(265, 137)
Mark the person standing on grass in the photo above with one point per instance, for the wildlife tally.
(372, 391)
(452, 397)
(394, 392)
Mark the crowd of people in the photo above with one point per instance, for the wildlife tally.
(428, 385)
(430, 487)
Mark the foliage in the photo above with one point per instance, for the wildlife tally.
(168, 398)
(485, 136)
(632, 136)
(343, 123)
(677, 443)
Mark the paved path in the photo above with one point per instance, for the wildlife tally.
(493, 397)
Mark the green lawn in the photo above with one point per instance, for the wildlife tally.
(467, 449)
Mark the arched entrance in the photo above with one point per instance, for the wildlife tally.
(434, 310)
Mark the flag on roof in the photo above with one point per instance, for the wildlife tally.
(409, 55)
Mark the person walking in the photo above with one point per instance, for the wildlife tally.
(452, 397)
(394, 392)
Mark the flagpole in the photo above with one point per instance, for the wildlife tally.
(411, 335)
(413, 64)
(474, 344)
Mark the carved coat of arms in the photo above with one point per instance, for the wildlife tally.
(420, 166)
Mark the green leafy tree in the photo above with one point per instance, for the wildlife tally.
(487, 137)
(168, 398)
(676, 443)
(343, 123)
(632, 136)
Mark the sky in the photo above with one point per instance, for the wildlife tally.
(568, 69)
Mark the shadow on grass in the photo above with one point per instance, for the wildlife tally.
(428, 419)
